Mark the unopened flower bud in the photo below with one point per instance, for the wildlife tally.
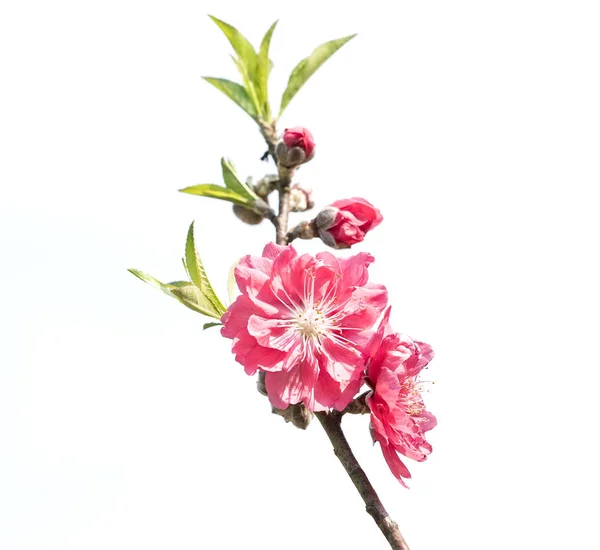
(300, 198)
(295, 147)
(297, 414)
(346, 222)
(300, 416)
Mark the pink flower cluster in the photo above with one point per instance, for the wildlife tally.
(308, 323)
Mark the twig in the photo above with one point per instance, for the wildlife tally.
(284, 210)
(332, 424)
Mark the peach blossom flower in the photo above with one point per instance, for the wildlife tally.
(305, 321)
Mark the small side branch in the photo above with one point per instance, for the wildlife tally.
(332, 424)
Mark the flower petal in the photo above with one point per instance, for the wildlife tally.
(293, 386)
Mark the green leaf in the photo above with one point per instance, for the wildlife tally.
(241, 45)
(217, 192)
(209, 325)
(178, 283)
(236, 92)
(307, 67)
(183, 291)
(246, 61)
(249, 85)
(191, 296)
(198, 274)
(232, 182)
(263, 71)
(231, 283)
(151, 281)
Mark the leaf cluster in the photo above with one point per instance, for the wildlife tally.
(255, 68)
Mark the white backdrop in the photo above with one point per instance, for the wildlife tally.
(472, 125)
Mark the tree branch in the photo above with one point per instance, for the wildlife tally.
(332, 424)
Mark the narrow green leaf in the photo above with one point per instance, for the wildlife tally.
(246, 62)
(150, 280)
(191, 296)
(236, 92)
(233, 182)
(192, 260)
(183, 291)
(197, 273)
(209, 325)
(231, 283)
(263, 71)
(241, 46)
(217, 192)
(249, 85)
(307, 67)
(178, 283)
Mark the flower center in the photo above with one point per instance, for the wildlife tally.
(410, 395)
(311, 323)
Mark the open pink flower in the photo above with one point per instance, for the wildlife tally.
(305, 321)
(398, 416)
(347, 221)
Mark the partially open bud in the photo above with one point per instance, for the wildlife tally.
(300, 198)
(346, 222)
(295, 147)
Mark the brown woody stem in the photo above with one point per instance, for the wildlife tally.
(284, 210)
(332, 424)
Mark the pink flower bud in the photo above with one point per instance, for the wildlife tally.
(299, 137)
(347, 221)
(296, 147)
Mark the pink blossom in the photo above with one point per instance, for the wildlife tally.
(347, 221)
(398, 416)
(305, 321)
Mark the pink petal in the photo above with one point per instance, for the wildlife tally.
(293, 386)
(272, 250)
(265, 359)
(388, 388)
(236, 317)
(345, 363)
(354, 269)
(395, 464)
(270, 334)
